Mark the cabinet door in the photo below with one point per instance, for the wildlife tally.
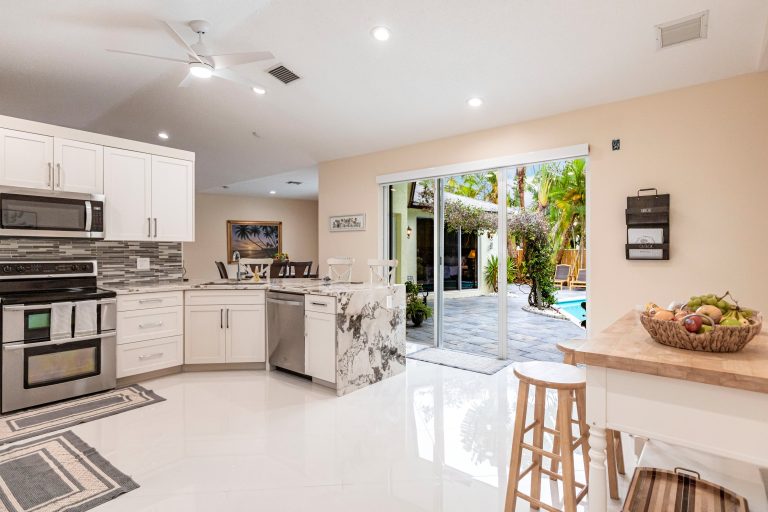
(320, 345)
(204, 334)
(246, 336)
(173, 199)
(26, 159)
(78, 166)
(127, 193)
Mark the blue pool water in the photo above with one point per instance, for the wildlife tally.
(573, 308)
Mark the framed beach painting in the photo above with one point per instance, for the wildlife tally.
(354, 222)
(254, 239)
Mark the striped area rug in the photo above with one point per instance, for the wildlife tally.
(58, 473)
(42, 420)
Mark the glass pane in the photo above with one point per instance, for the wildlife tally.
(40, 320)
(48, 368)
(43, 214)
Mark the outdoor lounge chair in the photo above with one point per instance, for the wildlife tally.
(581, 279)
(562, 275)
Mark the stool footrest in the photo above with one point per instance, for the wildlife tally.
(540, 451)
(537, 503)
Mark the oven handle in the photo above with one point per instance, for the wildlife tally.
(23, 307)
(22, 345)
(88, 211)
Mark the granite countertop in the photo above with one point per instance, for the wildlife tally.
(625, 345)
(293, 285)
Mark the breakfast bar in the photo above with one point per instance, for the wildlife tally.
(715, 403)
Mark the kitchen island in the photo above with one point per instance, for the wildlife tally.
(365, 337)
(715, 403)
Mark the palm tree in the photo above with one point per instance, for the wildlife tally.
(568, 195)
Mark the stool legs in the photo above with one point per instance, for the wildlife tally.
(566, 453)
(517, 447)
(538, 440)
(619, 452)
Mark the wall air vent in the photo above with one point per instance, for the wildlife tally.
(292, 182)
(283, 74)
(683, 30)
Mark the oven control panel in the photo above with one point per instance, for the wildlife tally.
(26, 269)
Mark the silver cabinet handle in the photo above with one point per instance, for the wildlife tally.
(227, 318)
(26, 307)
(22, 345)
(58, 175)
(50, 174)
(151, 324)
(150, 356)
(221, 319)
(147, 301)
(149, 227)
(319, 304)
(155, 227)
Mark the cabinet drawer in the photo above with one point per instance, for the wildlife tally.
(320, 303)
(223, 297)
(146, 324)
(150, 355)
(149, 300)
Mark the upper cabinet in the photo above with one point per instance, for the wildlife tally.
(26, 159)
(78, 166)
(148, 197)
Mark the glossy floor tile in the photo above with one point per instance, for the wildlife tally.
(431, 439)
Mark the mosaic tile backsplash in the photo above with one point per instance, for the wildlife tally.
(117, 260)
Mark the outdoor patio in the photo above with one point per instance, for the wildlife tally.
(470, 325)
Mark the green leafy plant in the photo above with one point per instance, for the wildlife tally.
(532, 229)
(281, 256)
(491, 273)
(414, 305)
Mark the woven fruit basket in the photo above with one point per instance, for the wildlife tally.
(719, 339)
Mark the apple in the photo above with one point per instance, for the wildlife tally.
(693, 323)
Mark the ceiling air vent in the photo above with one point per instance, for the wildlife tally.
(283, 74)
(683, 30)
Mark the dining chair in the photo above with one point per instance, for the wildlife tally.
(382, 271)
(222, 270)
(275, 269)
(300, 268)
(340, 269)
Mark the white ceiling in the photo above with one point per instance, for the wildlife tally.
(261, 187)
(526, 59)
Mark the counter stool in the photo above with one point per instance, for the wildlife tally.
(615, 449)
(569, 382)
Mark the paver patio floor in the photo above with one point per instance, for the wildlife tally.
(470, 325)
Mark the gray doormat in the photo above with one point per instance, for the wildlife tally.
(58, 473)
(460, 360)
(58, 416)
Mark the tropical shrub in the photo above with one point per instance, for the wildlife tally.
(491, 273)
(531, 229)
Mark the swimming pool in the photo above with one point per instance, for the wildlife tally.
(572, 309)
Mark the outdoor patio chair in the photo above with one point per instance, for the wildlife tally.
(562, 275)
(581, 279)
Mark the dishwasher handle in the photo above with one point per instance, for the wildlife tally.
(285, 302)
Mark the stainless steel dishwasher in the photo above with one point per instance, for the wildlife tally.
(285, 330)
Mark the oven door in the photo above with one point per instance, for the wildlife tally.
(36, 373)
(56, 215)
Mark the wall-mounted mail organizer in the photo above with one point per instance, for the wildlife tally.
(648, 226)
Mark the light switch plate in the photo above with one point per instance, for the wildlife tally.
(142, 263)
(389, 301)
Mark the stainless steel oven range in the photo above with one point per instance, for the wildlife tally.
(58, 332)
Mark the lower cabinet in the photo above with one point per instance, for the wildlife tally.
(224, 329)
(150, 355)
(320, 345)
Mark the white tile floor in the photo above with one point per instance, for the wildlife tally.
(431, 439)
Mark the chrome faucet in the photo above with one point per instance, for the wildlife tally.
(236, 259)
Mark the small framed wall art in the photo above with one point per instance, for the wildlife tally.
(354, 222)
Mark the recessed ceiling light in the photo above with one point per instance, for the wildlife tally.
(273, 192)
(259, 90)
(380, 33)
(200, 70)
(163, 135)
(475, 102)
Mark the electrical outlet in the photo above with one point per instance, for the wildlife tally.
(142, 263)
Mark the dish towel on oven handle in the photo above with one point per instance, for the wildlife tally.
(85, 318)
(61, 320)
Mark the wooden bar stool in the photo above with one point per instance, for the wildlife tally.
(615, 449)
(569, 382)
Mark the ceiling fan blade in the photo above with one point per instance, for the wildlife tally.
(177, 37)
(186, 81)
(235, 59)
(230, 75)
(150, 56)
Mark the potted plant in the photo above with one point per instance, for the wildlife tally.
(415, 308)
(280, 257)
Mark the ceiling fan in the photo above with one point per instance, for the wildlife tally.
(202, 63)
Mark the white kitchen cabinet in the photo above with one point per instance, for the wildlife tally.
(127, 192)
(26, 159)
(204, 334)
(173, 196)
(320, 345)
(245, 326)
(78, 166)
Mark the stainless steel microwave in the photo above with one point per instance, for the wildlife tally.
(32, 213)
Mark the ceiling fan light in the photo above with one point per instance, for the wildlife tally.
(200, 70)
(259, 90)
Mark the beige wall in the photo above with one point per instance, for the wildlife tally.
(212, 211)
(707, 146)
